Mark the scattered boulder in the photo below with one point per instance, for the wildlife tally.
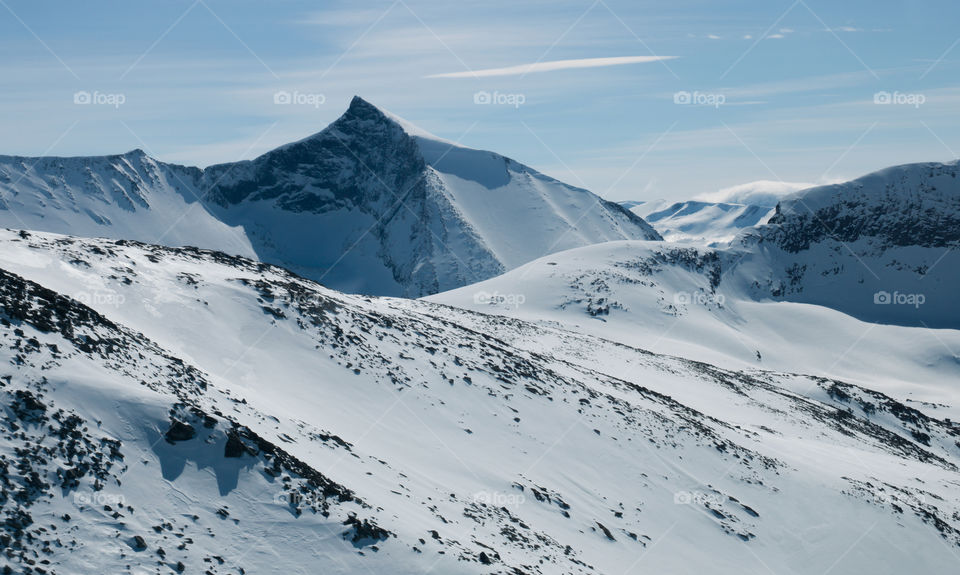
(180, 431)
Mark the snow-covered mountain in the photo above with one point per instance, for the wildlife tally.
(128, 196)
(881, 248)
(209, 413)
(371, 204)
(795, 294)
(709, 223)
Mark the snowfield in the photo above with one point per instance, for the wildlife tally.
(174, 409)
(854, 281)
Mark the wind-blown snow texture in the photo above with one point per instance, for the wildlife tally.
(208, 413)
(369, 205)
(710, 223)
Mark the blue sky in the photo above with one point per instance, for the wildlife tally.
(780, 90)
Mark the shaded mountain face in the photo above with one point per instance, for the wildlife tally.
(910, 205)
(370, 205)
(141, 430)
(881, 248)
(362, 158)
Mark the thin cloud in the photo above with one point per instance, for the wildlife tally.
(523, 69)
(764, 193)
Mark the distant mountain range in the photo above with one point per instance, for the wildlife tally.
(710, 223)
(371, 204)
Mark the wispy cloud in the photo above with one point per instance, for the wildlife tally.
(523, 69)
(759, 193)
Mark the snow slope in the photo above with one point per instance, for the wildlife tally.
(426, 438)
(697, 303)
(125, 196)
(856, 281)
(370, 204)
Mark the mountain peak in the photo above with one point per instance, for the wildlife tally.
(136, 153)
(363, 110)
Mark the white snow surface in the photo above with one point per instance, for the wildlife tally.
(481, 443)
(661, 296)
(855, 281)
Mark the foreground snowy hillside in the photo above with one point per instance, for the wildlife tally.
(208, 413)
(371, 204)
